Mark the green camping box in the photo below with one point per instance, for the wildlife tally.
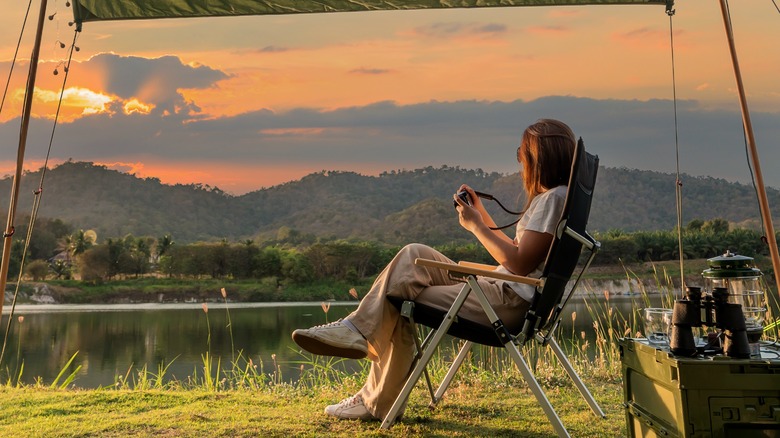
(717, 396)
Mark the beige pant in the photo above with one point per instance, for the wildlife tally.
(390, 337)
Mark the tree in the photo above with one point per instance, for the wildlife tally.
(15, 261)
(164, 244)
(44, 241)
(287, 234)
(95, 263)
(37, 269)
(218, 259)
(615, 249)
(80, 242)
(717, 225)
(695, 225)
(61, 269)
(269, 262)
(296, 267)
(166, 266)
(193, 260)
(138, 252)
(242, 259)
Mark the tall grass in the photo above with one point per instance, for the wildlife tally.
(19, 362)
(143, 379)
(69, 378)
(229, 323)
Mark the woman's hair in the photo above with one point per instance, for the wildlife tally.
(546, 153)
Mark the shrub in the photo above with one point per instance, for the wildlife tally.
(37, 270)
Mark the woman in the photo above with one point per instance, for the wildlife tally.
(376, 329)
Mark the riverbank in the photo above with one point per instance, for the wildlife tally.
(476, 408)
(646, 278)
(172, 290)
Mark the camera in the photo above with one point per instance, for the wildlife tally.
(713, 310)
(464, 196)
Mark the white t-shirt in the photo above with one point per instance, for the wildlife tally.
(542, 216)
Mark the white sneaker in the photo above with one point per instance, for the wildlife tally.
(334, 339)
(351, 408)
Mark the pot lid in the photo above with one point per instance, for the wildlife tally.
(731, 265)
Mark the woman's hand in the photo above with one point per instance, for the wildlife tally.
(467, 220)
(469, 216)
(476, 201)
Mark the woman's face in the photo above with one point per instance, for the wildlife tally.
(523, 156)
(523, 152)
(520, 159)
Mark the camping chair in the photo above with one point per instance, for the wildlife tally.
(544, 314)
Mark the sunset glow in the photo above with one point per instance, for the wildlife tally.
(261, 100)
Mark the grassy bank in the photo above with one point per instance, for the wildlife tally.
(155, 289)
(481, 407)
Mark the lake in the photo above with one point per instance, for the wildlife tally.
(112, 339)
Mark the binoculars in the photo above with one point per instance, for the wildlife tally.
(713, 310)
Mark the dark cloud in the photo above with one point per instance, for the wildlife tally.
(474, 134)
(548, 30)
(131, 76)
(642, 32)
(491, 28)
(451, 29)
(273, 49)
(371, 71)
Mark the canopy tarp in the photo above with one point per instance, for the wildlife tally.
(99, 10)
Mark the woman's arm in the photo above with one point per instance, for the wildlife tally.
(521, 258)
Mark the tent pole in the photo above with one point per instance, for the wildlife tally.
(9, 228)
(766, 214)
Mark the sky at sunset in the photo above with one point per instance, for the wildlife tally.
(243, 103)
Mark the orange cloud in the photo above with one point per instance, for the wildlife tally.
(76, 101)
(135, 106)
(8, 167)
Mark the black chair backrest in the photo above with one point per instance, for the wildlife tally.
(565, 250)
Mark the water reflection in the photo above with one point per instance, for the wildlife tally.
(116, 340)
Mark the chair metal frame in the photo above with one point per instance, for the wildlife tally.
(543, 317)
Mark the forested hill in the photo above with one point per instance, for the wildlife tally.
(396, 207)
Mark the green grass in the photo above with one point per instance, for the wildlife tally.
(469, 409)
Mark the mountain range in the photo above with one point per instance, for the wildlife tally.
(396, 206)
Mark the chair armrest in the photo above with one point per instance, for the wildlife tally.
(477, 265)
(470, 269)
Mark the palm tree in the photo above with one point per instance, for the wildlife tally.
(164, 243)
(80, 242)
(61, 269)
